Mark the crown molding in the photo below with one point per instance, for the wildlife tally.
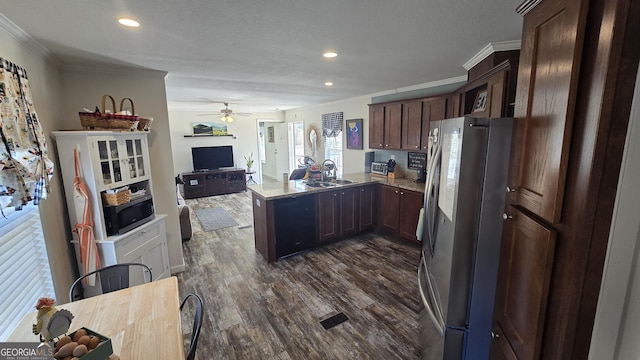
(431, 84)
(490, 49)
(111, 69)
(23, 38)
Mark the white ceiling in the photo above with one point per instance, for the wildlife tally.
(263, 55)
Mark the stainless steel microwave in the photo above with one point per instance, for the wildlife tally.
(121, 218)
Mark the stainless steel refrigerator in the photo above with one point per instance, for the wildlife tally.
(461, 233)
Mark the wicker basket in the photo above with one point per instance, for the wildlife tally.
(110, 121)
(145, 124)
(118, 198)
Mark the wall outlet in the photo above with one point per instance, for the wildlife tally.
(393, 157)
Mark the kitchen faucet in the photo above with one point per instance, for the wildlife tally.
(328, 170)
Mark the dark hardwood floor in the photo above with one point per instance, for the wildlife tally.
(255, 310)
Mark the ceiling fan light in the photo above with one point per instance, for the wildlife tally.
(226, 118)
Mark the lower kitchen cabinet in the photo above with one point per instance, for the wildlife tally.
(399, 211)
(368, 207)
(338, 212)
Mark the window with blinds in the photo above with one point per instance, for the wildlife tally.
(25, 274)
(333, 151)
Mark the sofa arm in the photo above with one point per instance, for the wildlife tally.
(185, 222)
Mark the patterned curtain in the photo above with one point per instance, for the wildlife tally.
(25, 168)
(332, 124)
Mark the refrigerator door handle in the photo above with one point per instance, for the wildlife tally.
(431, 202)
(439, 326)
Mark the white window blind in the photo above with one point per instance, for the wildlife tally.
(25, 274)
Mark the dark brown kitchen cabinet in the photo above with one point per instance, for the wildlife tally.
(495, 93)
(525, 272)
(338, 213)
(399, 211)
(393, 126)
(433, 109)
(412, 123)
(545, 106)
(553, 36)
(376, 126)
(328, 215)
(368, 207)
(455, 104)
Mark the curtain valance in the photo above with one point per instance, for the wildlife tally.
(332, 124)
(25, 167)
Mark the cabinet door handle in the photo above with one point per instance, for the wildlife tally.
(401, 193)
(506, 216)
(495, 335)
(336, 194)
(510, 189)
(417, 146)
(387, 145)
(380, 144)
(396, 191)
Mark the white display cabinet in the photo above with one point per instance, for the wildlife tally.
(110, 160)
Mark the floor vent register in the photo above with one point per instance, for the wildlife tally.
(334, 320)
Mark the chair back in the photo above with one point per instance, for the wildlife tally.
(197, 323)
(112, 278)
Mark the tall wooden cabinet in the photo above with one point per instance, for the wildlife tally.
(110, 160)
(570, 122)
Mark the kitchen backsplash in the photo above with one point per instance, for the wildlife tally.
(401, 158)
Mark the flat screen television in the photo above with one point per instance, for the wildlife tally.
(212, 157)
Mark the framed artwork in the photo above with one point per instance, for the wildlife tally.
(270, 136)
(354, 134)
(209, 129)
(481, 101)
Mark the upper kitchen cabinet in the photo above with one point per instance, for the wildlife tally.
(393, 126)
(411, 125)
(433, 109)
(376, 126)
(385, 123)
(492, 94)
(545, 106)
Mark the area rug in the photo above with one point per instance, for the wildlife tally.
(215, 218)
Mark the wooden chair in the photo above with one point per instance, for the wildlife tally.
(197, 324)
(111, 278)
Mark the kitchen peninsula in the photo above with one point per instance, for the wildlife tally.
(291, 217)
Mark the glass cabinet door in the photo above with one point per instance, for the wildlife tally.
(109, 161)
(135, 158)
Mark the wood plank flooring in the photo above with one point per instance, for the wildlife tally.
(255, 310)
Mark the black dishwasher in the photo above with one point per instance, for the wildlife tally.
(295, 220)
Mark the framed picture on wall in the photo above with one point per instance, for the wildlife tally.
(354, 134)
(270, 136)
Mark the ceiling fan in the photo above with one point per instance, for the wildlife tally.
(226, 113)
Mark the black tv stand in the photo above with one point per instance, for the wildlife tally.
(202, 183)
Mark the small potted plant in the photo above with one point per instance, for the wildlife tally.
(249, 161)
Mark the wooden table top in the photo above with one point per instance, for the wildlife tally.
(143, 321)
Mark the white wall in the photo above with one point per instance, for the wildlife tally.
(245, 130)
(44, 81)
(147, 89)
(355, 108)
(617, 321)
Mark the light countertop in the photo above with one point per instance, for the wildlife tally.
(272, 191)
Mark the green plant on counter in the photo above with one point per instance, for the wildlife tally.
(249, 160)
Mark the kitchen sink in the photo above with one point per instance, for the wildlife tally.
(320, 184)
(343, 181)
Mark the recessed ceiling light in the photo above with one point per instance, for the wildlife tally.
(128, 22)
(330, 54)
(329, 83)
